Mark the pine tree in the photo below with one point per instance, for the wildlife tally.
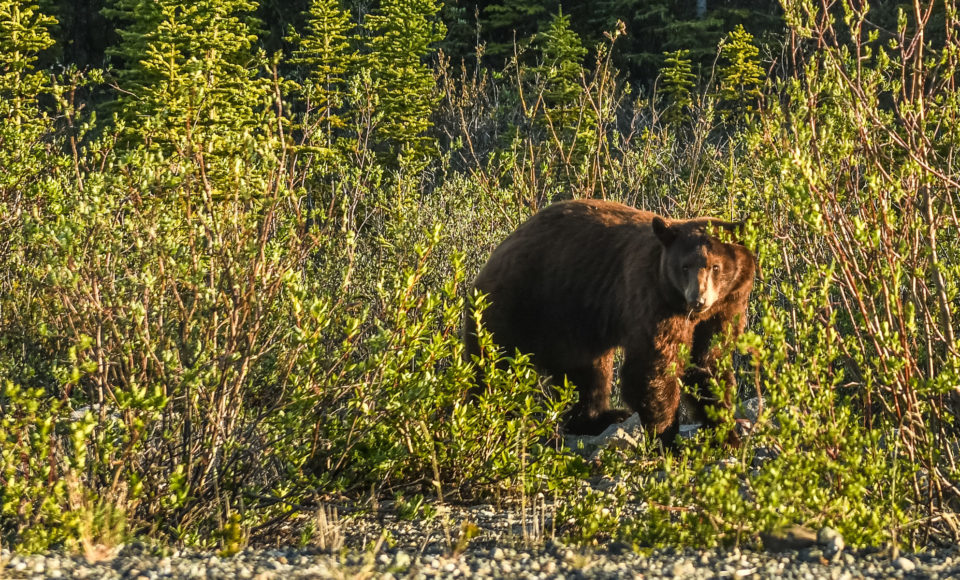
(461, 18)
(29, 147)
(656, 27)
(24, 33)
(32, 165)
(325, 55)
(740, 75)
(570, 124)
(403, 32)
(561, 69)
(678, 28)
(676, 84)
(188, 69)
(510, 21)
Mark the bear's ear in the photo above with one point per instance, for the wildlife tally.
(664, 233)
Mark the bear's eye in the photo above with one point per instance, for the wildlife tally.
(686, 269)
(716, 267)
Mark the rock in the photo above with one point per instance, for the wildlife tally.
(790, 538)
(632, 424)
(421, 552)
(401, 560)
(687, 431)
(617, 548)
(831, 540)
(618, 435)
(607, 433)
(905, 564)
(683, 569)
(749, 409)
(763, 455)
(619, 439)
(622, 440)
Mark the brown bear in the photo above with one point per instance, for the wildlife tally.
(582, 278)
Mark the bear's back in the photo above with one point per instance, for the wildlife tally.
(567, 241)
(559, 280)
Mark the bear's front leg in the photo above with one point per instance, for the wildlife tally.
(713, 339)
(649, 385)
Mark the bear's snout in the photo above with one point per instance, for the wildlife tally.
(700, 291)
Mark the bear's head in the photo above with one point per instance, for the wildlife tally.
(695, 262)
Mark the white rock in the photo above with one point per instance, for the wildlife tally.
(683, 568)
(904, 564)
(831, 540)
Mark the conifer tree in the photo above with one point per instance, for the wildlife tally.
(403, 32)
(570, 124)
(656, 27)
(512, 20)
(740, 75)
(326, 58)
(32, 166)
(677, 82)
(461, 18)
(26, 154)
(24, 33)
(561, 69)
(189, 69)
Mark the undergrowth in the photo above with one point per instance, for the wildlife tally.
(245, 302)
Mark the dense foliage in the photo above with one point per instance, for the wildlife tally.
(232, 280)
(88, 29)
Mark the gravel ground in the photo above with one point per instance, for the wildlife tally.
(382, 546)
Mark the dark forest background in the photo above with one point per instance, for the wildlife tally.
(86, 31)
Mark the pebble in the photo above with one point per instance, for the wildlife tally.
(530, 563)
(831, 540)
(905, 564)
(421, 550)
(683, 568)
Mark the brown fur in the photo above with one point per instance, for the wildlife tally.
(582, 278)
